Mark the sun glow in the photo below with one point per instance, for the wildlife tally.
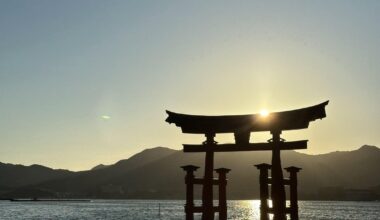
(264, 113)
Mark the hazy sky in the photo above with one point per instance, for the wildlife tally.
(88, 82)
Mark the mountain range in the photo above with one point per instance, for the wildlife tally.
(156, 174)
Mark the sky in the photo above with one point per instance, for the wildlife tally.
(88, 82)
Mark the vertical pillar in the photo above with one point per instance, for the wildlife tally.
(207, 193)
(293, 192)
(264, 192)
(189, 180)
(222, 192)
(278, 189)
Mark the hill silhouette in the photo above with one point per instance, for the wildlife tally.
(155, 174)
(15, 176)
(98, 167)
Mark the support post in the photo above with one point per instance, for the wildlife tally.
(264, 192)
(189, 180)
(222, 172)
(278, 188)
(293, 191)
(207, 193)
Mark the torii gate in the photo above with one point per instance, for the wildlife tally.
(242, 126)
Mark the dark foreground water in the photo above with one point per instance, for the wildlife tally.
(173, 209)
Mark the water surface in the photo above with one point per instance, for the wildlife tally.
(173, 209)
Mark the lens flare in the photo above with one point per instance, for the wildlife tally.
(106, 117)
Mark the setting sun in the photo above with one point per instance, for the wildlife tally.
(264, 113)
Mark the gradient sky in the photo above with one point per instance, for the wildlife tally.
(88, 82)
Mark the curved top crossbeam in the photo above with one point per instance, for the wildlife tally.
(275, 121)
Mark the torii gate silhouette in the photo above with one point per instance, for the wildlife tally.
(242, 126)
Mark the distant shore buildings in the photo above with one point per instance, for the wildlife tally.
(342, 194)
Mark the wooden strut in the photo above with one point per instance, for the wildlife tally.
(264, 192)
(293, 191)
(222, 172)
(207, 208)
(265, 181)
(190, 180)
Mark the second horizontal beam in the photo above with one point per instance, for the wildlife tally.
(291, 145)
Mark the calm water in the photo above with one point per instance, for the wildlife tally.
(149, 209)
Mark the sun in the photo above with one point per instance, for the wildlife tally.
(264, 113)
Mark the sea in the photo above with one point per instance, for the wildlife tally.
(174, 209)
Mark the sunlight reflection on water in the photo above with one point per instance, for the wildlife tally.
(248, 209)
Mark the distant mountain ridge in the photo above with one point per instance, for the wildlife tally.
(14, 176)
(155, 173)
(100, 166)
